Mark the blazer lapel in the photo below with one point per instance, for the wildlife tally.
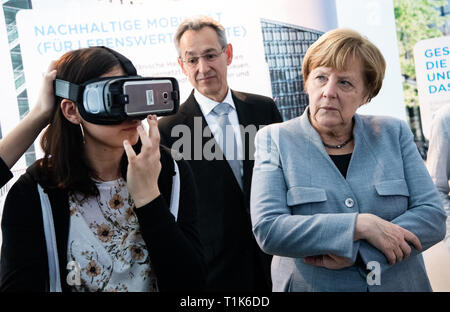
(194, 119)
(59, 202)
(197, 126)
(313, 136)
(316, 143)
(245, 117)
(363, 156)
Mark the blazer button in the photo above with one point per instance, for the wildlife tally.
(349, 203)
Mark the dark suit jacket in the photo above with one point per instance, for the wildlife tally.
(235, 262)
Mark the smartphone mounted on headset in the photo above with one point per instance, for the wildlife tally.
(112, 100)
(156, 95)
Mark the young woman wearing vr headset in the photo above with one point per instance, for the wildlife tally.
(110, 187)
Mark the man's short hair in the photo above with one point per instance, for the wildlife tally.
(197, 23)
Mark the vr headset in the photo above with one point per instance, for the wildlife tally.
(112, 100)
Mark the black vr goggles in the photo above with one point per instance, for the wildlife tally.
(112, 100)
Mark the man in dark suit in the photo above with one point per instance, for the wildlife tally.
(235, 261)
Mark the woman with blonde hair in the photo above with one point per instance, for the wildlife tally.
(337, 195)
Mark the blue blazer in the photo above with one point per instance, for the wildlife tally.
(302, 206)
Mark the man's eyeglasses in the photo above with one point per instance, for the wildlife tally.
(210, 57)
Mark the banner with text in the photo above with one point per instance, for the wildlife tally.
(432, 62)
(146, 37)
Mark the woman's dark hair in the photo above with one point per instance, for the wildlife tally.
(62, 141)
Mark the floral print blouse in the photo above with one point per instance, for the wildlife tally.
(106, 244)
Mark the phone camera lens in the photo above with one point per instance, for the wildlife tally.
(165, 95)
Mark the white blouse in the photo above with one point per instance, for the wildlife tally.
(106, 244)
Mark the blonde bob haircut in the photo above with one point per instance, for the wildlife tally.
(336, 47)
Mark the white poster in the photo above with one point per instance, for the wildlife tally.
(143, 35)
(432, 62)
(375, 19)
